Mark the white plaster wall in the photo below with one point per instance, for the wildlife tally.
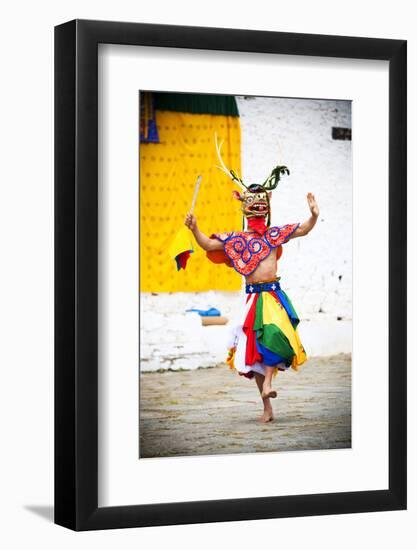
(316, 270)
(173, 339)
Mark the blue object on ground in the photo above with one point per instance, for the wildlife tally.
(212, 312)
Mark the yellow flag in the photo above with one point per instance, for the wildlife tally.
(181, 247)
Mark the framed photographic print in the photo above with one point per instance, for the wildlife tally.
(230, 252)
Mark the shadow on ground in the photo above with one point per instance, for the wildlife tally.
(45, 512)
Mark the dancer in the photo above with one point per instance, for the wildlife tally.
(266, 339)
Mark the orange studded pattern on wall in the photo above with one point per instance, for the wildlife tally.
(168, 172)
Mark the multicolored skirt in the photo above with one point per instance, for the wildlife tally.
(267, 335)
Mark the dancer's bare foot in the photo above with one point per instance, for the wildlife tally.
(266, 417)
(267, 391)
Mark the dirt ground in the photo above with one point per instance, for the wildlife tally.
(215, 411)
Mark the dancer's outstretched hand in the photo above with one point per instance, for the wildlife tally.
(312, 204)
(190, 221)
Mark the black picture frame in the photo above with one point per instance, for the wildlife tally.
(76, 272)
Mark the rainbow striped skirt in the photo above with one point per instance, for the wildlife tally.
(266, 334)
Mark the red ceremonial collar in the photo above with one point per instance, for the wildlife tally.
(257, 224)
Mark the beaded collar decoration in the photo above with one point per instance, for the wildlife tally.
(246, 251)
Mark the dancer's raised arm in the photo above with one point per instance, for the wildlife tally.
(305, 227)
(202, 240)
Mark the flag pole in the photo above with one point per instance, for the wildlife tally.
(196, 189)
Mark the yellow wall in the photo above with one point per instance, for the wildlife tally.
(168, 172)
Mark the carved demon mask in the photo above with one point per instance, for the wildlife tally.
(255, 201)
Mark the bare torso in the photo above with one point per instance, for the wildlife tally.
(266, 270)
